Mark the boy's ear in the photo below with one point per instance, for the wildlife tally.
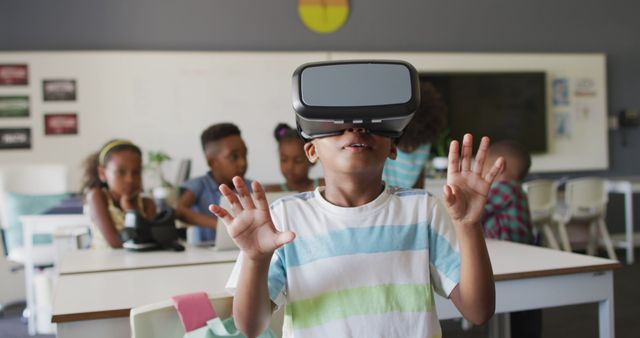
(210, 161)
(310, 151)
(393, 153)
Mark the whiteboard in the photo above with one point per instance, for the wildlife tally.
(163, 100)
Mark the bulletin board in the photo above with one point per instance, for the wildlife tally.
(164, 100)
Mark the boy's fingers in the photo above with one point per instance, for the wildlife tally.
(481, 156)
(261, 199)
(244, 193)
(236, 206)
(283, 238)
(221, 214)
(467, 150)
(495, 170)
(449, 198)
(454, 157)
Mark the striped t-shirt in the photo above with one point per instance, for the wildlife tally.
(406, 168)
(367, 271)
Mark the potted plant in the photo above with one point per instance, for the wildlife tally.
(164, 193)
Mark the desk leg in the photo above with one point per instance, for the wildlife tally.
(628, 220)
(606, 313)
(29, 272)
(500, 326)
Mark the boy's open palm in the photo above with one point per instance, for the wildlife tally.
(251, 228)
(466, 190)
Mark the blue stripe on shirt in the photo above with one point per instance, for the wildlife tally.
(352, 241)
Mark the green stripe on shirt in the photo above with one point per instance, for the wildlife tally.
(342, 304)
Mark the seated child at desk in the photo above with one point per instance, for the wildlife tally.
(506, 213)
(507, 217)
(112, 185)
(294, 164)
(226, 156)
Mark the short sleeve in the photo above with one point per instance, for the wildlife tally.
(276, 279)
(444, 253)
(277, 275)
(194, 185)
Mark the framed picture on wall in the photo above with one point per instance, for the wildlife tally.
(59, 90)
(15, 138)
(14, 106)
(14, 75)
(61, 124)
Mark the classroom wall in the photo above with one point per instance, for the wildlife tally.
(373, 25)
(608, 27)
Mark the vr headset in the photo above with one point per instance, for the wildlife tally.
(141, 234)
(330, 97)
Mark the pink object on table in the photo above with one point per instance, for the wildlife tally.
(194, 310)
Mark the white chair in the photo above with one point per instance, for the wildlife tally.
(161, 319)
(30, 179)
(586, 203)
(541, 195)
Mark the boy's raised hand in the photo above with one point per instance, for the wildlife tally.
(466, 190)
(252, 228)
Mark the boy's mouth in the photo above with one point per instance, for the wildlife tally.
(357, 146)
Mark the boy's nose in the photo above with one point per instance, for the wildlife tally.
(358, 130)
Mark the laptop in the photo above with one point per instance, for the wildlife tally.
(223, 241)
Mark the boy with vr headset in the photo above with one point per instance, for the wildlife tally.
(358, 258)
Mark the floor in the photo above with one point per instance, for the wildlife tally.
(569, 321)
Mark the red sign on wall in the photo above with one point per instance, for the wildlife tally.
(14, 75)
(61, 124)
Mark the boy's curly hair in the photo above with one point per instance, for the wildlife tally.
(428, 121)
(217, 132)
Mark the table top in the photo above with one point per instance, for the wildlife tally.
(516, 261)
(112, 293)
(55, 218)
(92, 261)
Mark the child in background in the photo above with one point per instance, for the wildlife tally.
(506, 214)
(113, 185)
(506, 217)
(414, 146)
(368, 256)
(226, 156)
(294, 164)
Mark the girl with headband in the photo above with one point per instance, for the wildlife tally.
(112, 185)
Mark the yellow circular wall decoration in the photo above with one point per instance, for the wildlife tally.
(323, 16)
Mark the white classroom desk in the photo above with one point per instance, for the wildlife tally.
(529, 277)
(97, 288)
(97, 304)
(90, 261)
(35, 225)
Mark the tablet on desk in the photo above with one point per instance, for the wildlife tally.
(223, 241)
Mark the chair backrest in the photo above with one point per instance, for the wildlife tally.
(32, 179)
(183, 173)
(161, 319)
(587, 196)
(541, 195)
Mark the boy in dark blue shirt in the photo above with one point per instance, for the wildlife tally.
(226, 155)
